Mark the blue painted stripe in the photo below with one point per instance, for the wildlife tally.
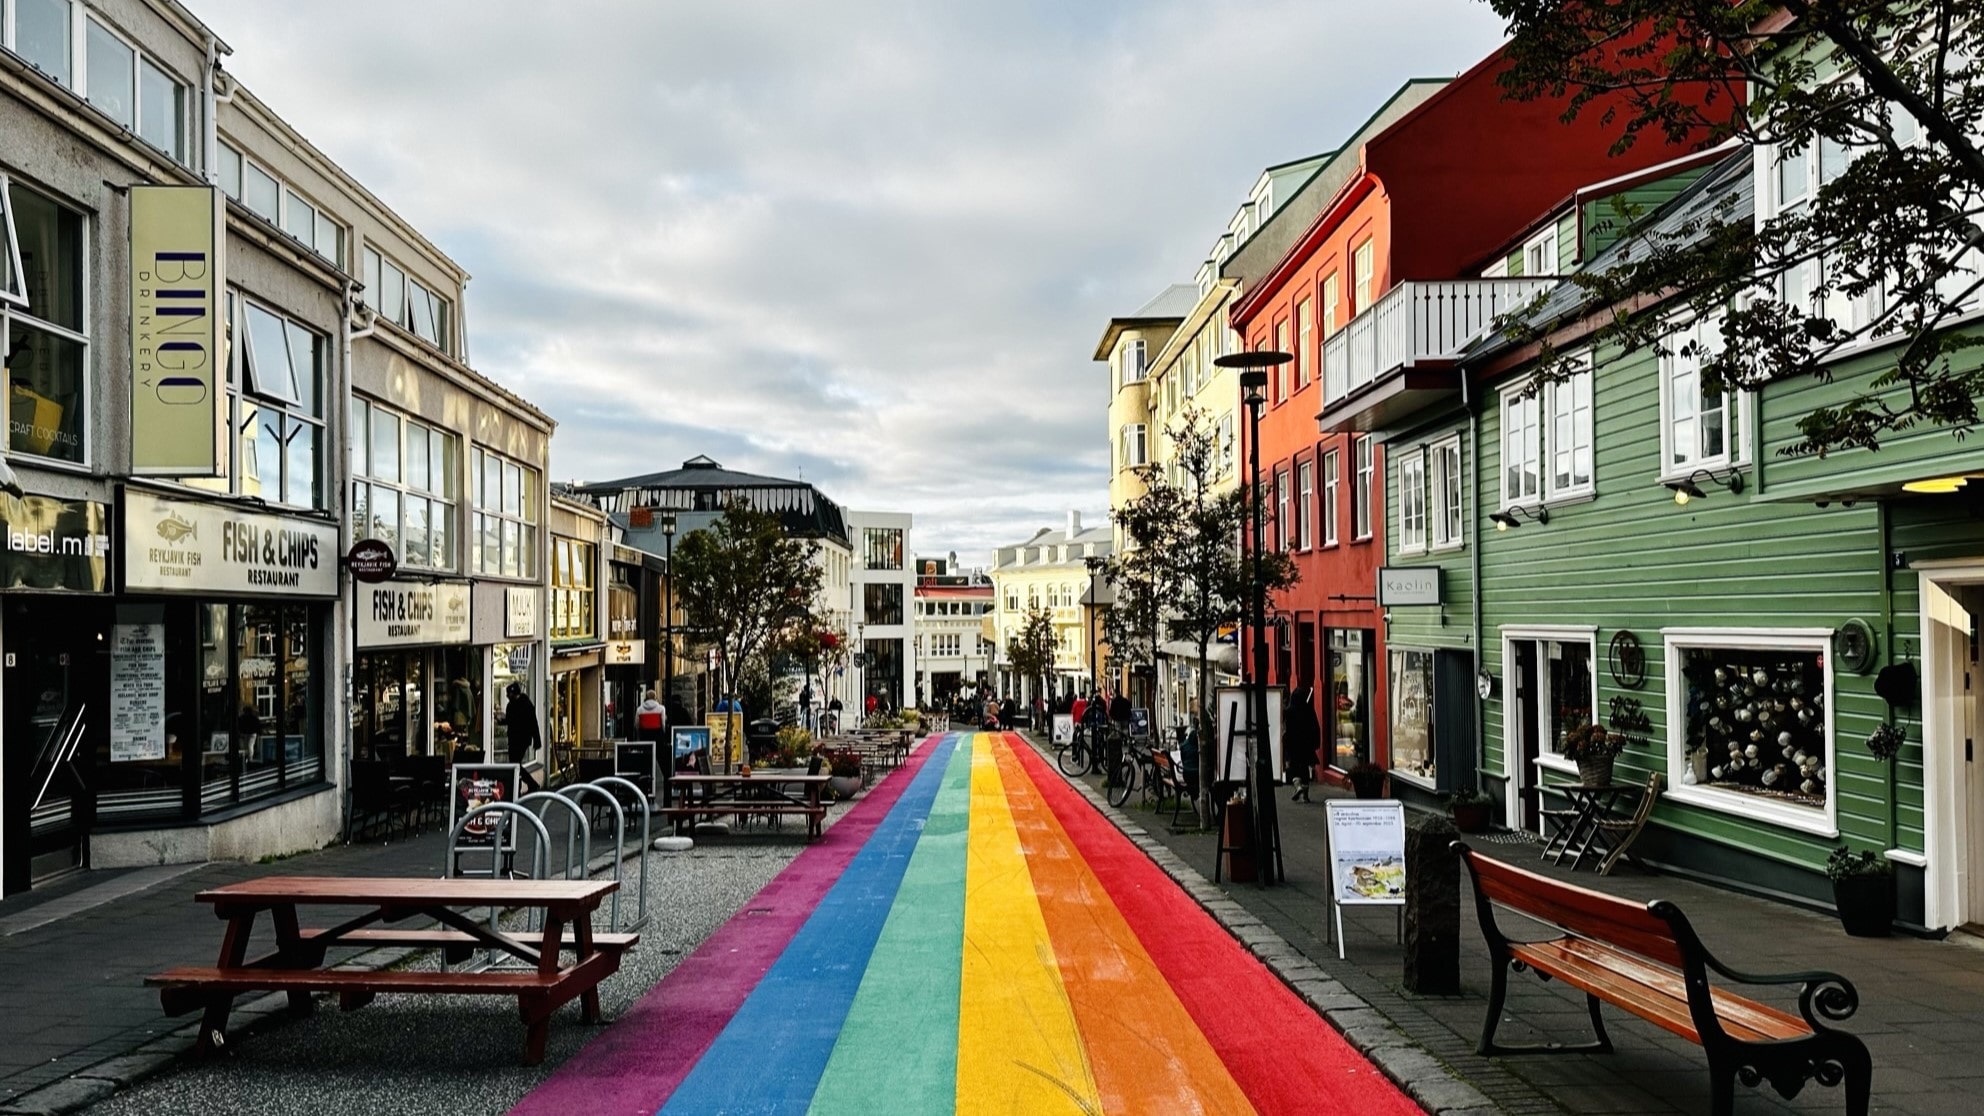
(770, 1057)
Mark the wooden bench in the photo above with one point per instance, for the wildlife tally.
(296, 966)
(1647, 959)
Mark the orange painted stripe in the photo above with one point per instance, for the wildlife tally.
(1147, 1053)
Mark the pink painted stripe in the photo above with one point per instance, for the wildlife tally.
(639, 1060)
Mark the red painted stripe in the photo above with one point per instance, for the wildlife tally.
(1282, 1054)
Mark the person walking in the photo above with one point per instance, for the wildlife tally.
(1301, 737)
(650, 718)
(524, 735)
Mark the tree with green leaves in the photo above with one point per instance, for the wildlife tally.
(1182, 539)
(1864, 117)
(745, 587)
(1030, 651)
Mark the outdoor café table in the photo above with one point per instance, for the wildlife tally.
(762, 793)
(1585, 828)
(297, 964)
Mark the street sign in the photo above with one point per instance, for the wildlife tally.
(372, 561)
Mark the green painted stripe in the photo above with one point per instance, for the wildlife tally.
(903, 1026)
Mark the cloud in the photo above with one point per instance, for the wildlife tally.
(873, 240)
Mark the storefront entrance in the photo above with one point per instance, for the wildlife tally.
(56, 681)
(1952, 600)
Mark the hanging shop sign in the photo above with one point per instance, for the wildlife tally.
(626, 652)
(372, 561)
(409, 613)
(137, 692)
(176, 376)
(1408, 585)
(173, 545)
(520, 612)
(54, 544)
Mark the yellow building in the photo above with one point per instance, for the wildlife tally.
(1048, 570)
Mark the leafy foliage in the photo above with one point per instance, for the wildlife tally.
(1889, 95)
(744, 587)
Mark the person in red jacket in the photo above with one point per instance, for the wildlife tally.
(1079, 707)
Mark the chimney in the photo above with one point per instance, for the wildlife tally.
(1074, 524)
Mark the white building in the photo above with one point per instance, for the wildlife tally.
(880, 587)
(1048, 570)
(954, 628)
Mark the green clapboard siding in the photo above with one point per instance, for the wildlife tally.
(1607, 218)
(1630, 558)
(1427, 626)
(1910, 455)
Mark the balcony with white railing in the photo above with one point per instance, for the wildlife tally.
(1415, 322)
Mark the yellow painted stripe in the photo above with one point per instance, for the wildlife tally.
(1018, 1047)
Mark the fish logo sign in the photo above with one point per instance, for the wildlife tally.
(172, 529)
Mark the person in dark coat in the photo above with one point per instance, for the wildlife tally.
(520, 721)
(1301, 736)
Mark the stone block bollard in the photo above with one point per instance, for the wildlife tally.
(1432, 907)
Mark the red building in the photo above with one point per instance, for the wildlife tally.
(1386, 272)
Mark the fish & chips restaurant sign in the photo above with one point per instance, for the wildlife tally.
(411, 613)
(173, 545)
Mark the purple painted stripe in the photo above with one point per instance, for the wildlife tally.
(638, 1061)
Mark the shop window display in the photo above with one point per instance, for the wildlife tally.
(1756, 723)
(1412, 713)
(1350, 691)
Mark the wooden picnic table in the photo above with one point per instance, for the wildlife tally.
(760, 794)
(297, 965)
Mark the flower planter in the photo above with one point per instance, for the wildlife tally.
(844, 785)
(1470, 817)
(1596, 772)
(1866, 904)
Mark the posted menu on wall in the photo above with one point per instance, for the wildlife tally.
(137, 692)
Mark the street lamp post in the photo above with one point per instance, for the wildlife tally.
(1253, 368)
(667, 747)
(1095, 566)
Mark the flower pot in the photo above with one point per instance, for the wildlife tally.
(1367, 783)
(1866, 904)
(844, 785)
(1596, 771)
(1470, 817)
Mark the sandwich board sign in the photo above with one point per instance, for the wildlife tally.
(1366, 855)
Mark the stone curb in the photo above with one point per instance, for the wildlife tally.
(1425, 1079)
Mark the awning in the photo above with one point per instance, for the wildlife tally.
(1224, 656)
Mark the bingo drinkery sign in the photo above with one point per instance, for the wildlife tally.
(176, 281)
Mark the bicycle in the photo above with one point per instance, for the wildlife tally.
(1076, 758)
(1133, 770)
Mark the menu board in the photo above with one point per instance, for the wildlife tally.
(1064, 728)
(137, 692)
(1367, 851)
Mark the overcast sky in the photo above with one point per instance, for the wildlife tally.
(870, 242)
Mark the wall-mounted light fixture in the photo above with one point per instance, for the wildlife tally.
(1514, 516)
(1936, 485)
(1686, 489)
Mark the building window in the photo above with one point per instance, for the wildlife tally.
(507, 510)
(1568, 402)
(882, 548)
(1348, 712)
(42, 332)
(109, 78)
(1227, 447)
(242, 179)
(406, 484)
(881, 602)
(1331, 480)
(1305, 329)
(1696, 431)
(275, 394)
(1332, 298)
(1411, 467)
(1547, 439)
(1305, 494)
(1362, 264)
(1449, 511)
(118, 79)
(1130, 356)
(405, 302)
(41, 35)
(1136, 450)
(1522, 446)
(1284, 509)
(1563, 700)
(573, 589)
(1360, 491)
(1750, 727)
(1281, 370)
(1411, 691)
(1539, 254)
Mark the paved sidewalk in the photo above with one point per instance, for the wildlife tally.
(1921, 1014)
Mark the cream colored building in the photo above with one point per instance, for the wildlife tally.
(1049, 570)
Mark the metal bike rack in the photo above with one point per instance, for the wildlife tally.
(647, 815)
(578, 827)
(499, 828)
(570, 795)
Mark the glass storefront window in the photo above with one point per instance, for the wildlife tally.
(881, 603)
(1756, 723)
(259, 699)
(46, 352)
(883, 548)
(1411, 688)
(509, 662)
(1350, 695)
(573, 600)
(1569, 693)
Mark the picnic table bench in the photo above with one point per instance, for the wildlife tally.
(763, 794)
(1647, 959)
(296, 966)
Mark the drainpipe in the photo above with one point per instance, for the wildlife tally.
(1474, 576)
(1883, 528)
(342, 422)
(210, 112)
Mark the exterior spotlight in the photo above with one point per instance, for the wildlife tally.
(1514, 516)
(1686, 489)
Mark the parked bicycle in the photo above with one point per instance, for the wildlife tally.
(1077, 757)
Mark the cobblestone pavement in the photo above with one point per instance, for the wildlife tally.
(1921, 1013)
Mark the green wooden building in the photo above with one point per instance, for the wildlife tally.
(1619, 547)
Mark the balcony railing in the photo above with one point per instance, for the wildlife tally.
(1414, 322)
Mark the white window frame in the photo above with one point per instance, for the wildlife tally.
(1547, 757)
(1447, 505)
(1804, 819)
(1497, 270)
(1136, 436)
(1305, 510)
(1363, 262)
(393, 291)
(1529, 420)
(530, 521)
(82, 20)
(435, 494)
(66, 80)
(14, 303)
(1332, 481)
(245, 389)
(1305, 337)
(1332, 295)
(1360, 490)
(1284, 520)
(1539, 253)
(321, 221)
(1735, 406)
(1564, 407)
(1130, 360)
(1411, 469)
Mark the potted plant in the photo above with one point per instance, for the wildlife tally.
(1593, 747)
(1469, 808)
(1863, 891)
(1367, 779)
(844, 773)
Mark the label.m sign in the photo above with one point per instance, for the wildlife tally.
(176, 374)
